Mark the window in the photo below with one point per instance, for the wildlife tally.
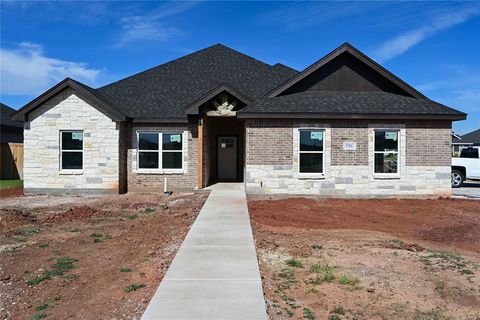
(71, 150)
(469, 153)
(160, 150)
(386, 151)
(311, 151)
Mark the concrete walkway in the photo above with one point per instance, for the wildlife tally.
(215, 273)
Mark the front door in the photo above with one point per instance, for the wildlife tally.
(227, 158)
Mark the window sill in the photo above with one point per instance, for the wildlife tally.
(311, 176)
(386, 176)
(71, 172)
(156, 171)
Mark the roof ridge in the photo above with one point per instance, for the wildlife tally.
(217, 45)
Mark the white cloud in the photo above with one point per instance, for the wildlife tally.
(405, 41)
(27, 71)
(150, 26)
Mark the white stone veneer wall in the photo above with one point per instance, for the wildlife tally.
(67, 111)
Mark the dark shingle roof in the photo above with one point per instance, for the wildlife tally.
(165, 91)
(348, 103)
(5, 117)
(472, 137)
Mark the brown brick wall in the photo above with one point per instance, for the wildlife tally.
(429, 143)
(348, 130)
(269, 142)
(144, 181)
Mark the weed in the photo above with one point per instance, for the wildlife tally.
(286, 273)
(133, 287)
(149, 210)
(71, 277)
(125, 269)
(308, 314)
(349, 281)
(42, 307)
(132, 217)
(58, 269)
(99, 238)
(311, 290)
(290, 313)
(434, 314)
(38, 315)
(20, 239)
(447, 260)
(43, 245)
(324, 273)
(30, 230)
(294, 263)
(440, 288)
(333, 317)
(338, 310)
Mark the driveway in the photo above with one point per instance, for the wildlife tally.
(470, 189)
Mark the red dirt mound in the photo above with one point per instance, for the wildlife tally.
(75, 213)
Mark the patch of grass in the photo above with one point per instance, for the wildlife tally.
(434, 314)
(39, 315)
(290, 313)
(324, 273)
(294, 263)
(440, 288)
(308, 314)
(338, 310)
(286, 273)
(447, 260)
(125, 269)
(132, 217)
(350, 281)
(99, 238)
(133, 287)
(8, 184)
(30, 230)
(149, 210)
(58, 269)
(334, 317)
(43, 245)
(42, 307)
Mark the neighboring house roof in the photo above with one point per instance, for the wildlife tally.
(456, 139)
(472, 137)
(5, 117)
(171, 91)
(346, 104)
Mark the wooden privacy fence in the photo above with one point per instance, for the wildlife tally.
(11, 161)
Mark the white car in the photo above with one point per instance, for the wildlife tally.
(466, 166)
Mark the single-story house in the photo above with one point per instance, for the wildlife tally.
(467, 140)
(345, 126)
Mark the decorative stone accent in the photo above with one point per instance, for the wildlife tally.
(68, 111)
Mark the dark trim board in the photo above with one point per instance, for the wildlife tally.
(306, 115)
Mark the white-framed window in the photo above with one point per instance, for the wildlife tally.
(386, 152)
(71, 150)
(162, 151)
(311, 157)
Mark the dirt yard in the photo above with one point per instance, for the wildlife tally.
(88, 257)
(369, 259)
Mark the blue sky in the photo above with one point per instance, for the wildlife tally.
(434, 46)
